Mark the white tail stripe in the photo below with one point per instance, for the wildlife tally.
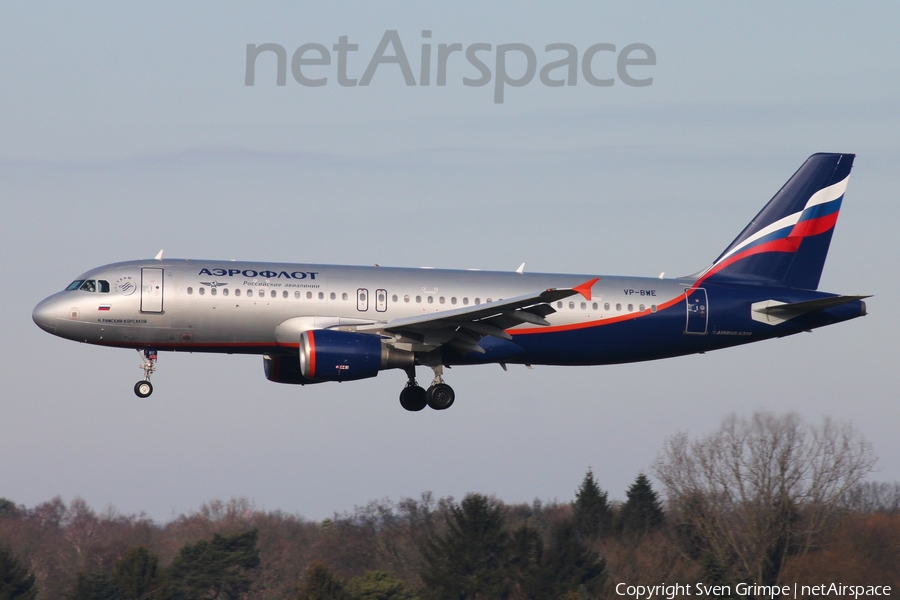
(832, 192)
(788, 221)
(823, 196)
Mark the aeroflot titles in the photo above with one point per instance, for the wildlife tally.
(252, 273)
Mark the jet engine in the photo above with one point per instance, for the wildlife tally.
(329, 355)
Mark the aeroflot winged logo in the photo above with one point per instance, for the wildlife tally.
(253, 273)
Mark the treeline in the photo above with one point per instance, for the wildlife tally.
(763, 500)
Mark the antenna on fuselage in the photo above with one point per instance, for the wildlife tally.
(158, 255)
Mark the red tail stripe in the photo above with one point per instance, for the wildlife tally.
(814, 226)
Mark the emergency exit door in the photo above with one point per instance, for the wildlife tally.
(151, 290)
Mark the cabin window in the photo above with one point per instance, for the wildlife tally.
(321, 295)
(653, 308)
(333, 296)
(273, 294)
(237, 292)
(201, 291)
(477, 300)
(225, 291)
(594, 306)
(571, 305)
(559, 305)
(406, 298)
(309, 295)
(453, 300)
(394, 298)
(630, 307)
(488, 300)
(465, 301)
(89, 286)
(344, 296)
(430, 299)
(441, 299)
(641, 308)
(418, 299)
(618, 306)
(606, 306)
(262, 293)
(583, 305)
(297, 294)
(212, 291)
(190, 290)
(284, 294)
(75, 285)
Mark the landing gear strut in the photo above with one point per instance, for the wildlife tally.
(144, 388)
(439, 396)
(412, 397)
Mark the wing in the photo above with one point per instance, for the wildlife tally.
(463, 328)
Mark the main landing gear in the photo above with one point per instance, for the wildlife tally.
(144, 388)
(439, 395)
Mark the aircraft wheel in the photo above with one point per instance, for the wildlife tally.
(412, 398)
(440, 396)
(143, 388)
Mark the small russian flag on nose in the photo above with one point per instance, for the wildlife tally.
(103, 307)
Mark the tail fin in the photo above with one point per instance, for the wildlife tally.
(787, 242)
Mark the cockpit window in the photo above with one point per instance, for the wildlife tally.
(103, 285)
(89, 286)
(75, 285)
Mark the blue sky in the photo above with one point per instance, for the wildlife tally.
(128, 128)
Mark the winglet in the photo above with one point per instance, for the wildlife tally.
(521, 269)
(585, 288)
(158, 255)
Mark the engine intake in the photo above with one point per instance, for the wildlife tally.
(329, 355)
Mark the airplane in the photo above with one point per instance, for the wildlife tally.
(316, 323)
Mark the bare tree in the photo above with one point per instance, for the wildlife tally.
(760, 489)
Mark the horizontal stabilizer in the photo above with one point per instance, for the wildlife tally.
(774, 312)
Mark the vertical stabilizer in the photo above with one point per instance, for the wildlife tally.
(787, 242)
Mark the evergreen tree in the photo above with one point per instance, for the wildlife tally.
(96, 586)
(642, 511)
(378, 585)
(7, 508)
(570, 565)
(320, 583)
(469, 561)
(136, 574)
(526, 563)
(219, 568)
(16, 583)
(592, 514)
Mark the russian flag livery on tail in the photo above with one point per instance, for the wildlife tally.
(320, 323)
(788, 240)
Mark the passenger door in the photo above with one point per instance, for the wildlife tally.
(151, 290)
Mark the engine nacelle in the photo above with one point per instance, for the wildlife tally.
(329, 355)
(282, 368)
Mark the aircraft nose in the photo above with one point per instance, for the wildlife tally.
(44, 315)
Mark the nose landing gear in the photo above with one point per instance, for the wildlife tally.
(144, 388)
